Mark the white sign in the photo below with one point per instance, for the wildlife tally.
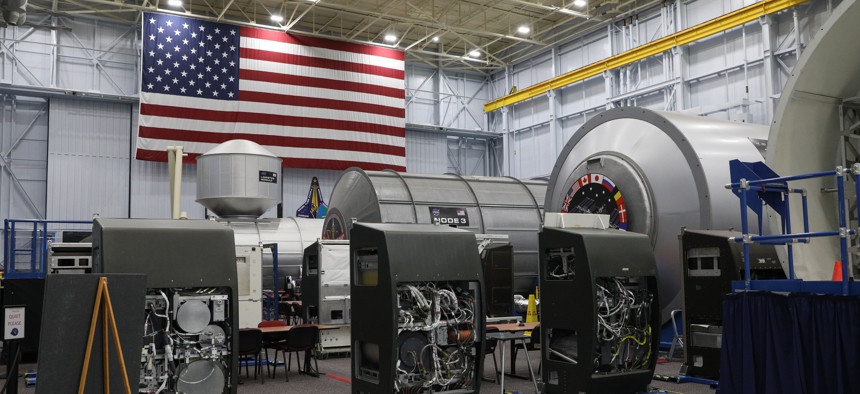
(13, 326)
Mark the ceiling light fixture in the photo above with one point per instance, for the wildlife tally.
(436, 39)
(580, 3)
(475, 53)
(174, 3)
(390, 37)
(524, 29)
(277, 18)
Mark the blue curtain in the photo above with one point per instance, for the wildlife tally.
(800, 343)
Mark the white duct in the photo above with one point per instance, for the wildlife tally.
(15, 11)
(174, 163)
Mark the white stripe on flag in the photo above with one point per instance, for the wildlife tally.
(300, 153)
(274, 109)
(330, 94)
(323, 53)
(262, 129)
(318, 72)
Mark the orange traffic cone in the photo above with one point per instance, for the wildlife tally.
(837, 271)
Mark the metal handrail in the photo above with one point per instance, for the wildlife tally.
(780, 185)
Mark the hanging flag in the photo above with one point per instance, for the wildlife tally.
(314, 207)
(316, 103)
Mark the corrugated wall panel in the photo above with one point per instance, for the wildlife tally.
(150, 191)
(426, 153)
(467, 157)
(150, 187)
(28, 159)
(88, 153)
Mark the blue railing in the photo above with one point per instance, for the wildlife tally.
(757, 185)
(25, 241)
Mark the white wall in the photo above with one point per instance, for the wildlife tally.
(88, 159)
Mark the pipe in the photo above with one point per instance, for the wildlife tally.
(745, 231)
(843, 233)
(174, 163)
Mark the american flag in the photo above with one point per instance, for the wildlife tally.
(317, 103)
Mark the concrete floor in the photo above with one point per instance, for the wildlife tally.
(336, 376)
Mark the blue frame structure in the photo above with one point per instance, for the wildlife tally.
(276, 296)
(39, 234)
(757, 185)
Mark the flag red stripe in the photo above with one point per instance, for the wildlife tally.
(270, 140)
(287, 58)
(299, 101)
(275, 35)
(312, 82)
(289, 162)
(270, 119)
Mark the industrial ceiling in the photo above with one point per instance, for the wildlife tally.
(477, 35)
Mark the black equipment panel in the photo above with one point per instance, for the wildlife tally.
(395, 267)
(600, 315)
(190, 267)
(711, 263)
(498, 261)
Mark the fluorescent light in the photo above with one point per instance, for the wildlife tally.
(174, 3)
(436, 39)
(580, 3)
(475, 53)
(277, 18)
(524, 29)
(390, 37)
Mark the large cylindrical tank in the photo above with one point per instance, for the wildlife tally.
(238, 178)
(818, 100)
(491, 205)
(292, 235)
(238, 181)
(654, 172)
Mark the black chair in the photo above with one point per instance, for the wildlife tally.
(490, 348)
(273, 340)
(284, 311)
(302, 339)
(534, 344)
(250, 346)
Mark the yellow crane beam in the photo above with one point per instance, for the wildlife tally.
(683, 37)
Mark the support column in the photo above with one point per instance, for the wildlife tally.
(554, 97)
(506, 126)
(437, 93)
(681, 61)
(770, 68)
